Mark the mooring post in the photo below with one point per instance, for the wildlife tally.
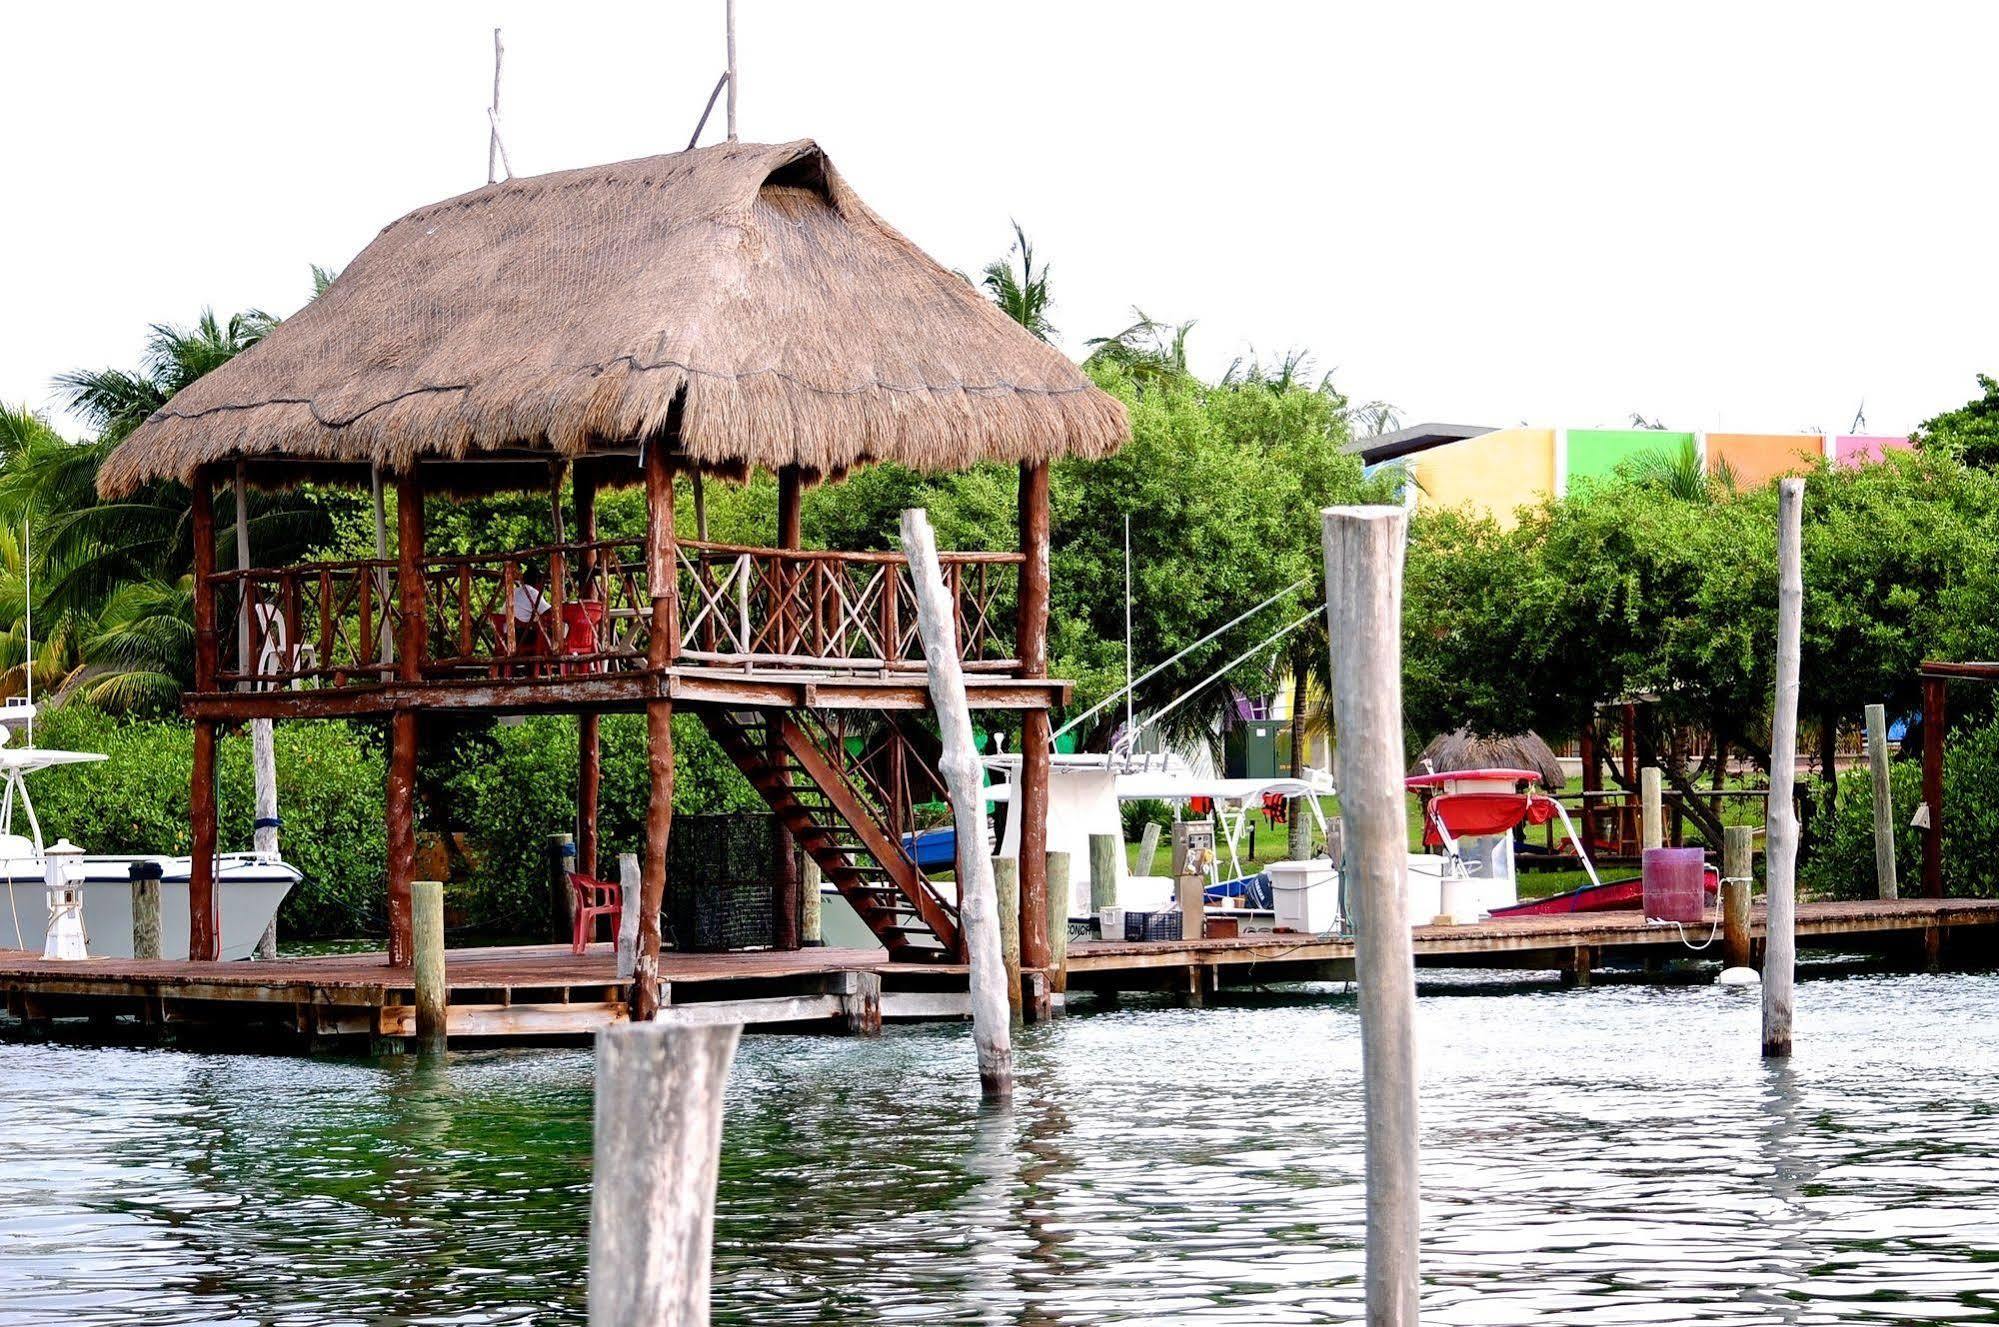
(810, 922)
(658, 1146)
(1059, 895)
(1006, 888)
(427, 940)
(978, 914)
(1738, 848)
(1884, 802)
(1363, 551)
(561, 897)
(1781, 834)
(631, 880)
(1148, 848)
(145, 909)
(1105, 850)
(1651, 809)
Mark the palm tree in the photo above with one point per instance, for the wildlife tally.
(1022, 295)
(1148, 350)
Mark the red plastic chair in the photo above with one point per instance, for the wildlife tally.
(594, 898)
(580, 621)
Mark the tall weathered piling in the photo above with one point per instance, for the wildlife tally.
(1884, 802)
(1363, 549)
(658, 1146)
(978, 909)
(1781, 834)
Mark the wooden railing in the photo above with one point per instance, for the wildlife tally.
(587, 608)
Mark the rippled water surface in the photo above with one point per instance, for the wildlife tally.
(1616, 1155)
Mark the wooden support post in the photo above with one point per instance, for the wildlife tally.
(145, 909)
(1651, 814)
(1738, 848)
(1781, 834)
(1191, 893)
(561, 896)
(1934, 719)
(1884, 802)
(861, 1006)
(263, 749)
(433, 991)
(1006, 890)
(204, 942)
(1363, 551)
(631, 882)
(400, 807)
(1058, 921)
(811, 931)
(658, 1128)
(978, 907)
(589, 739)
(1148, 848)
(786, 886)
(1031, 646)
(204, 926)
(662, 648)
(1105, 852)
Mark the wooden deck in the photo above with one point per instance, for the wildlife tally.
(547, 992)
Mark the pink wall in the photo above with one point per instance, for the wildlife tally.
(1859, 448)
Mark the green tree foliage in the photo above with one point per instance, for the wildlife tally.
(1021, 292)
(1971, 432)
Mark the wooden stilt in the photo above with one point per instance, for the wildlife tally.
(784, 901)
(1737, 867)
(1006, 890)
(204, 926)
(400, 807)
(1934, 719)
(589, 739)
(1884, 802)
(433, 992)
(1031, 644)
(663, 646)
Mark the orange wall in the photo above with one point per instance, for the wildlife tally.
(1494, 472)
(1758, 458)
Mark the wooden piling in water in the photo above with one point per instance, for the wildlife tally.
(977, 906)
(810, 921)
(1006, 890)
(1651, 809)
(1781, 834)
(658, 1144)
(1738, 847)
(1059, 893)
(1885, 885)
(433, 991)
(1105, 850)
(145, 910)
(1148, 848)
(631, 882)
(1363, 553)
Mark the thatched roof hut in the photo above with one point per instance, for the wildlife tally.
(1465, 749)
(738, 300)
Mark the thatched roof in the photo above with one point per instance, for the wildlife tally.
(1465, 749)
(739, 296)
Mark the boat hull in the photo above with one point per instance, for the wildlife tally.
(1610, 896)
(247, 894)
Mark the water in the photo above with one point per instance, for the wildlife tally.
(1610, 1156)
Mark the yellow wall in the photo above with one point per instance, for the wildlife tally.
(1758, 458)
(1493, 472)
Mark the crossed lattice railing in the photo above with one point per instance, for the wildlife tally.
(587, 607)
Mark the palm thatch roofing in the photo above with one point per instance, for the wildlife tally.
(738, 301)
(1465, 749)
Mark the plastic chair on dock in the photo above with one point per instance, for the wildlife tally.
(594, 898)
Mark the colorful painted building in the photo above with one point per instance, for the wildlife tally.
(1502, 470)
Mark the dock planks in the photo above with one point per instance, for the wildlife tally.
(545, 991)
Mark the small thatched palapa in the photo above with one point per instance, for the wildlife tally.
(1465, 749)
(739, 296)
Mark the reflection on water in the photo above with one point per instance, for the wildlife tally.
(1617, 1155)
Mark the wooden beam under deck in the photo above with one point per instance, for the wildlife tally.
(545, 992)
(601, 693)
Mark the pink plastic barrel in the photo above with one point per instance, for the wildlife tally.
(1674, 884)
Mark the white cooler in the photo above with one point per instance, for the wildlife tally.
(1305, 896)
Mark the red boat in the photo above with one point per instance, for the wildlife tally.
(1609, 896)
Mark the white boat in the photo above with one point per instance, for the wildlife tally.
(248, 888)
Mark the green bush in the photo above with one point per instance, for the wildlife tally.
(513, 787)
(1842, 861)
(329, 795)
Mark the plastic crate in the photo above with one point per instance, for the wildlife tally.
(1152, 925)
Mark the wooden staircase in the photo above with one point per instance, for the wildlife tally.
(839, 820)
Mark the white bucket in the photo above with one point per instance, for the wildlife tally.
(1110, 923)
(1459, 906)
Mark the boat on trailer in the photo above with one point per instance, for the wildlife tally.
(248, 887)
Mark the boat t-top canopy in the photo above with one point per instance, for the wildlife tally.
(1496, 775)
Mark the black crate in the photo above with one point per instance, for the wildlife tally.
(1152, 925)
(720, 871)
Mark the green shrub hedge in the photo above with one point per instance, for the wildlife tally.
(1842, 860)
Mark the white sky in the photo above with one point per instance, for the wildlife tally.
(1741, 216)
